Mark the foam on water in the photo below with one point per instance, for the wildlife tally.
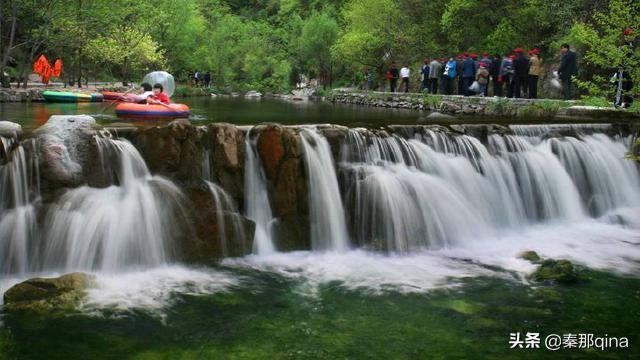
(594, 244)
(153, 289)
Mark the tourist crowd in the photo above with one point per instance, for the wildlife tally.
(514, 75)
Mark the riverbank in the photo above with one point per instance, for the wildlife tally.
(456, 105)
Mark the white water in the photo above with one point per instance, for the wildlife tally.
(591, 243)
(328, 228)
(17, 213)
(439, 190)
(257, 207)
(227, 219)
(114, 228)
(445, 207)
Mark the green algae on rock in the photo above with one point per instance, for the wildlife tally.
(48, 295)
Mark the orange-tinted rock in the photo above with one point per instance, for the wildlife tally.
(271, 149)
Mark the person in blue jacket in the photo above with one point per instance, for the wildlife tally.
(468, 74)
(451, 72)
(424, 71)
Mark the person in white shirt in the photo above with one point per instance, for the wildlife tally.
(404, 75)
(146, 93)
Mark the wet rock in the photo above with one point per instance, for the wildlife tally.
(226, 157)
(214, 233)
(440, 116)
(43, 296)
(530, 255)
(10, 130)
(335, 136)
(449, 107)
(561, 271)
(271, 149)
(281, 152)
(174, 150)
(67, 151)
(253, 94)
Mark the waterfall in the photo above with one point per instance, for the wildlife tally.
(128, 224)
(17, 212)
(228, 221)
(437, 189)
(257, 207)
(328, 227)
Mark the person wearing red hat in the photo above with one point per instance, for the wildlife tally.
(535, 69)
(468, 71)
(520, 73)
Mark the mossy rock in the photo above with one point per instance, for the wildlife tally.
(561, 271)
(530, 255)
(50, 295)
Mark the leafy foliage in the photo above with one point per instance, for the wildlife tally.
(269, 44)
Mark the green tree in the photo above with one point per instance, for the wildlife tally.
(318, 35)
(604, 47)
(374, 32)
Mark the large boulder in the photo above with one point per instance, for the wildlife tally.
(282, 154)
(48, 295)
(10, 130)
(67, 151)
(226, 156)
(174, 151)
(214, 232)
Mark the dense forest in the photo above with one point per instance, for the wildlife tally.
(269, 44)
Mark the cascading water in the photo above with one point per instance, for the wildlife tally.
(122, 226)
(439, 189)
(227, 218)
(18, 191)
(328, 227)
(257, 207)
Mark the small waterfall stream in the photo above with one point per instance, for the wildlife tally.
(328, 228)
(18, 191)
(257, 207)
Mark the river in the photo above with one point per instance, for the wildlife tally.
(412, 250)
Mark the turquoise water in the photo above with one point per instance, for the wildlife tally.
(266, 316)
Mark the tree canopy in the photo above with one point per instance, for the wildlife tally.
(266, 44)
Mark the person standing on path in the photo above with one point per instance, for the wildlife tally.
(392, 76)
(494, 71)
(404, 74)
(535, 69)
(568, 68)
(424, 71)
(521, 71)
(468, 74)
(435, 71)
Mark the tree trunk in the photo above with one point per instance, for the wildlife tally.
(7, 52)
(79, 51)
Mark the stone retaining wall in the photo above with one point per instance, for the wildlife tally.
(482, 106)
(21, 95)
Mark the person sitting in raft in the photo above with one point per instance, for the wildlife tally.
(159, 97)
(147, 92)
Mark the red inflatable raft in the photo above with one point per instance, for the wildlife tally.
(130, 110)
